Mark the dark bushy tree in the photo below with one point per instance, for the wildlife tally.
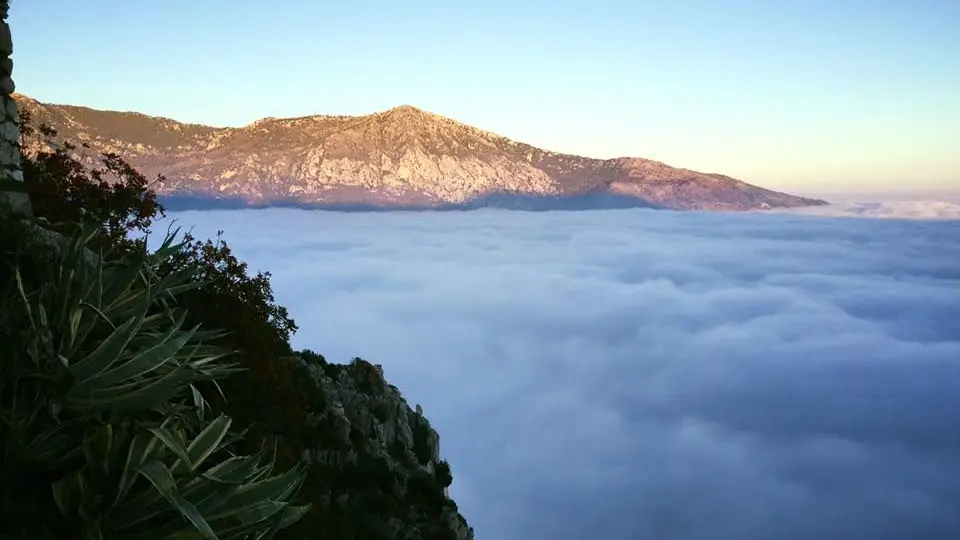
(113, 198)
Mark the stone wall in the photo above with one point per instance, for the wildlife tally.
(13, 195)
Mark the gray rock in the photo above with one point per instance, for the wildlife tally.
(10, 154)
(11, 109)
(9, 131)
(6, 40)
(358, 401)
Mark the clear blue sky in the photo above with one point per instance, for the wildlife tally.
(816, 94)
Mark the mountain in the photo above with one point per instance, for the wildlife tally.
(401, 158)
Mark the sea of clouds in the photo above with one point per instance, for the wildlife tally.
(925, 209)
(631, 374)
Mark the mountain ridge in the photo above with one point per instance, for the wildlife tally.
(402, 157)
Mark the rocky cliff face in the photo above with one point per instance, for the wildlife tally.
(13, 196)
(403, 157)
(377, 461)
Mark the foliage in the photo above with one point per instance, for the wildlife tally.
(247, 303)
(443, 474)
(103, 431)
(329, 369)
(114, 198)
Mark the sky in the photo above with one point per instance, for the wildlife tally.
(629, 374)
(819, 95)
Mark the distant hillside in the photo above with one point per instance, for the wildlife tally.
(401, 158)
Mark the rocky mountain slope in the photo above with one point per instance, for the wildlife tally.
(377, 472)
(403, 157)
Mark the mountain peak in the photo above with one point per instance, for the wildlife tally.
(401, 157)
(406, 109)
(408, 112)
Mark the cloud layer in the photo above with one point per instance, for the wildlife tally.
(641, 374)
(891, 209)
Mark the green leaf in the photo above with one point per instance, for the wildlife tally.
(42, 315)
(174, 529)
(241, 532)
(141, 449)
(248, 496)
(65, 494)
(85, 495)
(208, 441)
(213, 492)
(269, 533)
(261, 511)
(292, 514)
(208, 496)
(147, 396)
(158, 475)
(121, 278)
(289, 516)
(126, 306)
(102, 316)
(199, 403)
(174, 441)
(148, 360)
(235, 470)
(110, 349)
(97, 444)
(72, 337)
(134, 396)
(23, 296)
(167, 247)
(55, 444)
(176, 290)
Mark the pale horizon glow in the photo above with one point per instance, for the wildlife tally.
(817, 96)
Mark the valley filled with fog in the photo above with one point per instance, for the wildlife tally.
(632, 374)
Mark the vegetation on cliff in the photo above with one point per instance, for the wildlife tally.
(104, 431)
(350, 459)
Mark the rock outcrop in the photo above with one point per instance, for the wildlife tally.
(377, 460)
(401, 158)
(13, 195)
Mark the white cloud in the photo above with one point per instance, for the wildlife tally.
(641, 374)
(891, 209)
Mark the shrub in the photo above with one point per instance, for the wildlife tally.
(442, 473)
(113, 198)
(103, 430)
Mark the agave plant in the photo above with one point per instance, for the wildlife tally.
(104, 430)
